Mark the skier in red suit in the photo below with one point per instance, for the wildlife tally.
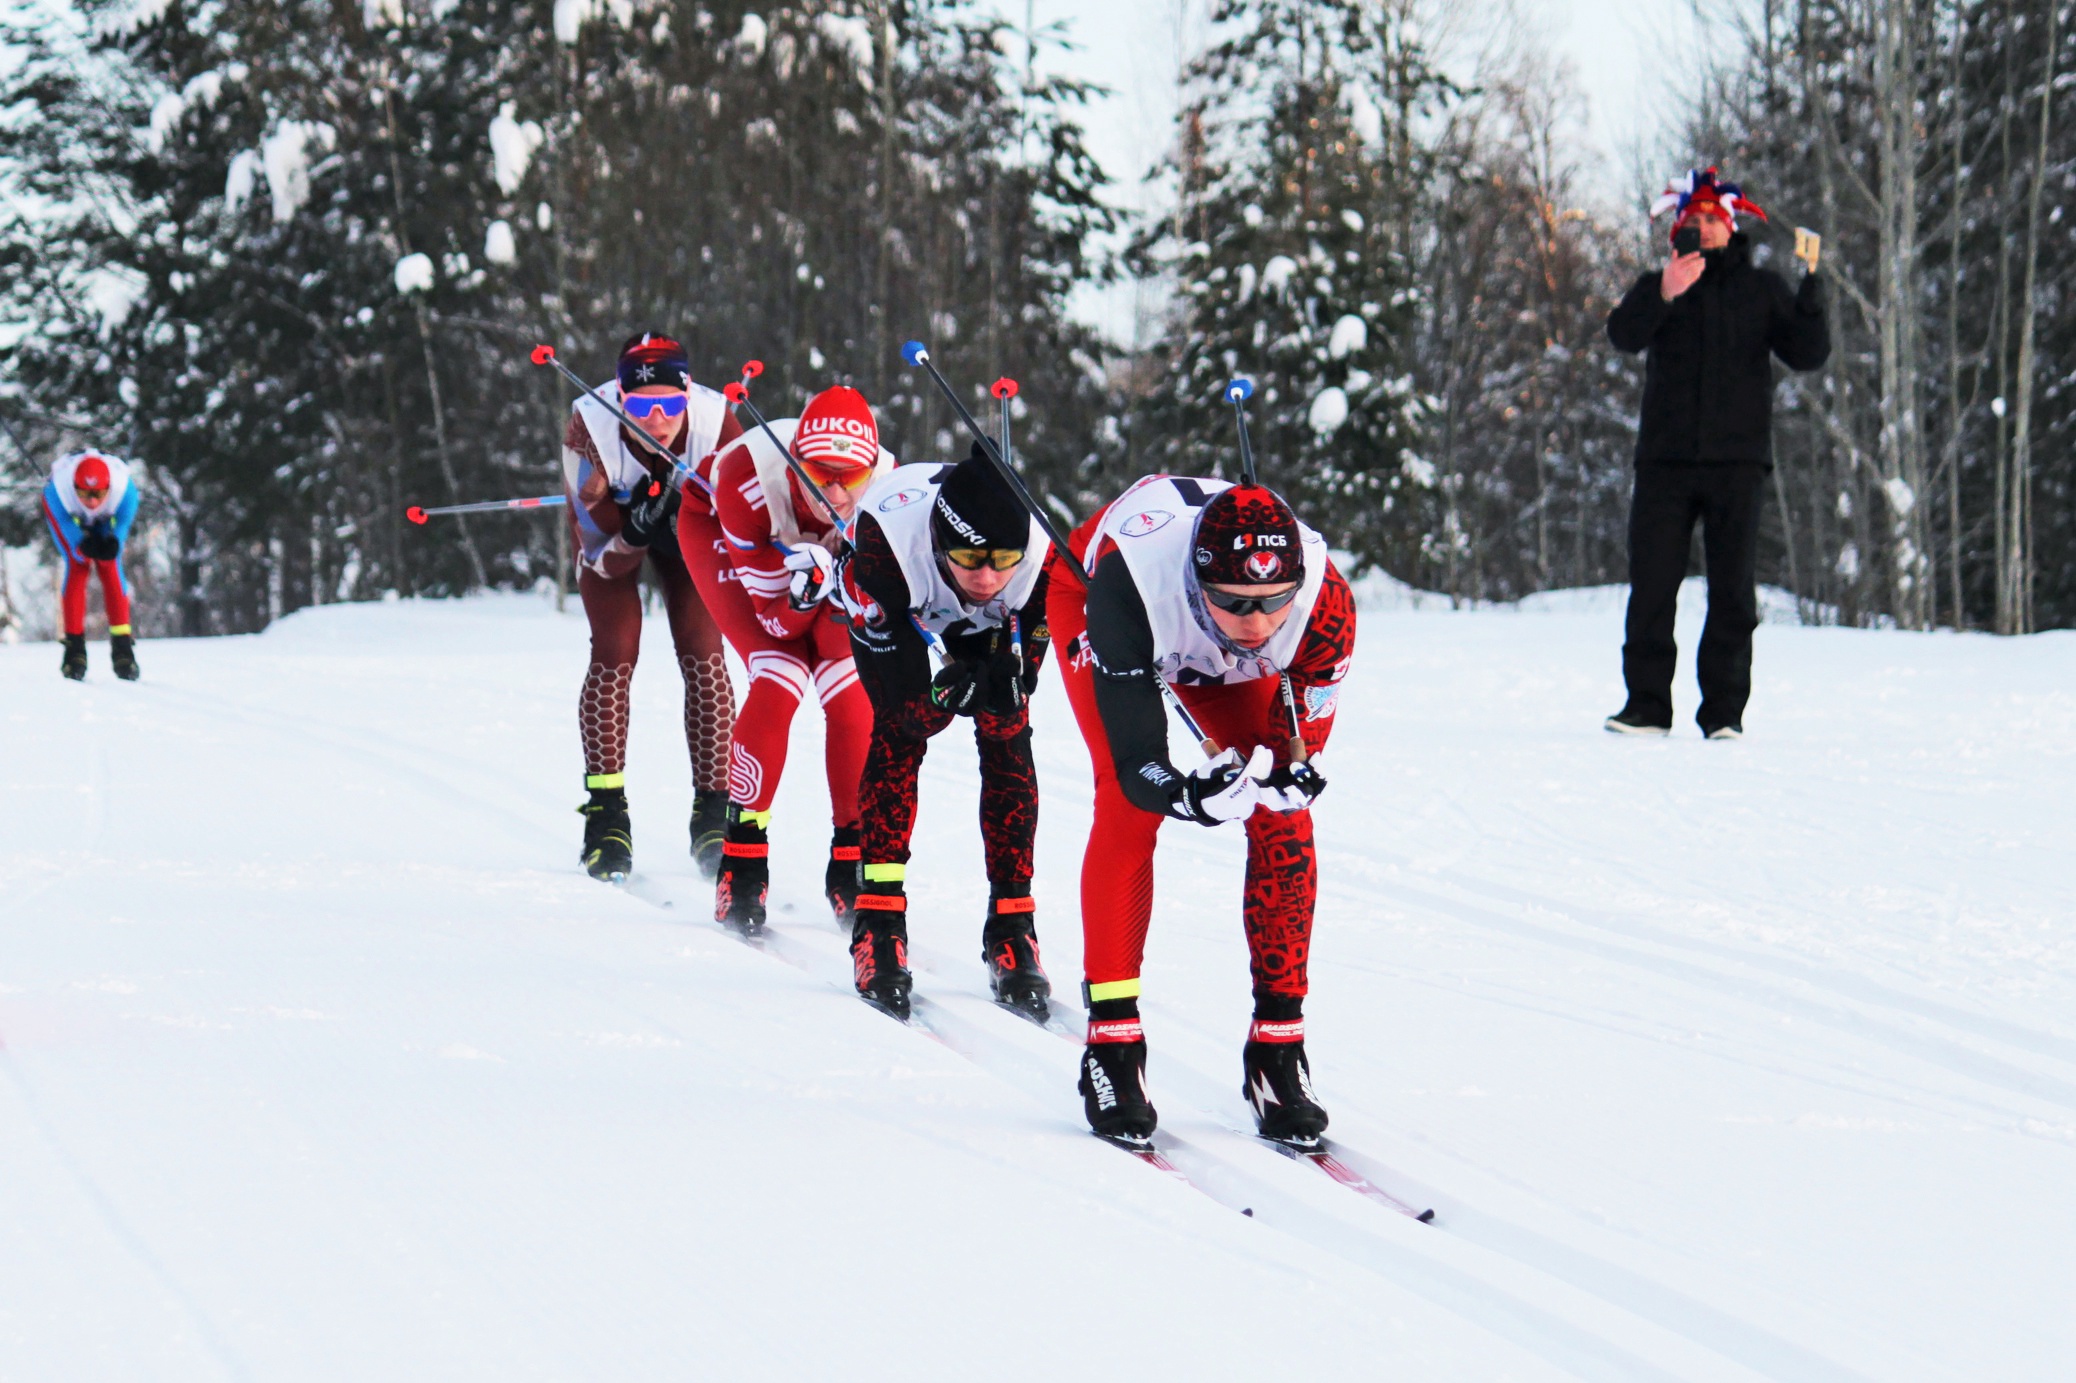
(1219, 592)
(760, 550)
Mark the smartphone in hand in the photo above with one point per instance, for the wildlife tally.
(1808, 245)
(1686, 240)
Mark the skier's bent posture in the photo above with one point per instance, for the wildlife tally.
(1220, 592)
(950, 550)
(623, 503)
(89, 504)
(760, 549)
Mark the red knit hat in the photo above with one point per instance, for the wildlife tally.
(648, 358)
(1698, 193)
(90, 474)
(837, 437)
(1247, 536)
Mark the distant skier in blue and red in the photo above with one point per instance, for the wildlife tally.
(89, 504)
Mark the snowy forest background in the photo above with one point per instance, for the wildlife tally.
(291, 256)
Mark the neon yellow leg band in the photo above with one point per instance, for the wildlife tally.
(761, 820)
(605, 780)
(1114, 989)
(115, 629)
(886, 873)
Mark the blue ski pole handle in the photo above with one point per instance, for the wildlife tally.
(1237, 392)
(918, 356)
(488, 506)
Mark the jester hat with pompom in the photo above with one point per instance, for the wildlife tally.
(1697, 193)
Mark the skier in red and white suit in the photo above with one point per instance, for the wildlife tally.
(746, 539)
(1218, 591)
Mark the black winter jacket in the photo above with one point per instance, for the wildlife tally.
(1708, 385)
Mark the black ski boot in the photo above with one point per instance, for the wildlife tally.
(122, 656)
(608, 837)
(74, 664)
(1113, 1075)
(841, 883)
(1278, 1079)
(709, 831)
(879, 950)
(1009, 944)
(744, 883)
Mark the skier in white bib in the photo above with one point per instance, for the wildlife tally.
(947, 557)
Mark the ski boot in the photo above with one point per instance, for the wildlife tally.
(840, 884)
(1278, 1079)
(74, 664)
(122, 656)
(1113, 1075)
(879, 950)
(1009, 945)
(608, 837)
(744, 884)
(709, 831)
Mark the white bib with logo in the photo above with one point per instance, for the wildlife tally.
(626, 468)
(901, 503)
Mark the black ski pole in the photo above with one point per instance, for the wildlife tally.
(739, 393)
(916, 353)
(1237, 392)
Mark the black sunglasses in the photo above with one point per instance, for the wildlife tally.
(1249, 604)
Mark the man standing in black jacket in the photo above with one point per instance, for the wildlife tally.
(1708, 322)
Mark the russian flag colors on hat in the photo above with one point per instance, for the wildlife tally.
(837, 435)
(1698, 193)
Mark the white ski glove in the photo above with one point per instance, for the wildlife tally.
(1292, 787)
(1224, 789)
(814, 576)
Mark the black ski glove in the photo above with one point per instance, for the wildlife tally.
(652, 516)
(961, 686)
(100, 544)
(1007, 691)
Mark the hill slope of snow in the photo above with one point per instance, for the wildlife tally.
(319, 1058)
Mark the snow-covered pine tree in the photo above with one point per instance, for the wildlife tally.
(1286, 270)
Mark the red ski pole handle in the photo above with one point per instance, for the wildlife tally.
(415, 514)
(734, 392)
(1003, 388)
(752, 368)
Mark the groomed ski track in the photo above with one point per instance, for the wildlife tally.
(1716, 1062)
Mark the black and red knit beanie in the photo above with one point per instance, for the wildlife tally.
(976, 508)
(1247, 536)
(650, 359)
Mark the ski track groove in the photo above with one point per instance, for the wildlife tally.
(1215, 1176)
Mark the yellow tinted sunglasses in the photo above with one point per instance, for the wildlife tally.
(974, 558)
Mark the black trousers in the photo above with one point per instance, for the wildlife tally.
(1669, 497)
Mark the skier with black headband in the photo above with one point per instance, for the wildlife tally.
(947, 558)
(1218, 591)
(623, 502)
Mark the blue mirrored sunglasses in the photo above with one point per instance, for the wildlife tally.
(644, 405)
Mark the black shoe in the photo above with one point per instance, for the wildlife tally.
(879, 956)
(840, 883)
(608, 837)
(1009, 944)
(1724, 732)
(122, 656)
(74, 664)
(1113, 1085)
(709, 831)
(744, 883)
(1278, 1084)
(1629, 722)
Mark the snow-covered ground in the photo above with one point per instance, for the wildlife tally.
(319, 1059)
